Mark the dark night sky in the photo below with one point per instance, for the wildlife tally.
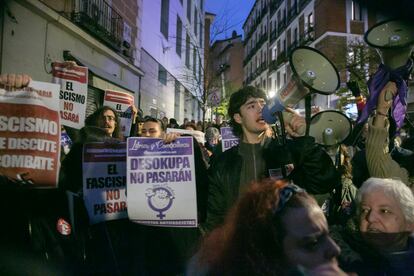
(230, 15)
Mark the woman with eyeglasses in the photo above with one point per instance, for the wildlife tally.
(274, 229)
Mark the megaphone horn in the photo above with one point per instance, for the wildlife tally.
(330, 127)
(394, 39)
(311, 70)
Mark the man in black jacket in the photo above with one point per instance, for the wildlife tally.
(259, 155)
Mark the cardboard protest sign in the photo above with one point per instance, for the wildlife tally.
(104, 181)
(73, 93)
(121, 102)
(30, 134)
(161, 182)
(228, 139)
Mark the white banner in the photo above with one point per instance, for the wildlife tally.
(30, 134)
(73, 93)
(161, 182)
(104, 181)
(121, 102)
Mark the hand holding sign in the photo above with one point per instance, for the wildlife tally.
(15, 80)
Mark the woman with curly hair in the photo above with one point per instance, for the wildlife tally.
(274, 229)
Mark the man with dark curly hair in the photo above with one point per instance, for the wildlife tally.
(259, 156)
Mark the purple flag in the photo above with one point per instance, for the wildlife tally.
(378, 81)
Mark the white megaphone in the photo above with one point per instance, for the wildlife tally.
(394, 41)
(312, 73)
(330, 127)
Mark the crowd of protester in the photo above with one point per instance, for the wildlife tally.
(268, 206)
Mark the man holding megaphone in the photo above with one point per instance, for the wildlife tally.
(259, 155)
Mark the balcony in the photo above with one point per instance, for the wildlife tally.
(273, 65)
(100, 20)
(274, 5)
(303, 3)
(292, 46)
(307, 37)
(273, 36)
(281, 58)
(281, 25)
(253, 51)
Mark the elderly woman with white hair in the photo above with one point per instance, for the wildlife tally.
(384, 244)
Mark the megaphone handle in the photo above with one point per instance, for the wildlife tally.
(282, 126)
(308, 100)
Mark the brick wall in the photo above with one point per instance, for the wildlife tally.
(330, 16)
(128, 9)
(334, 47)
(357, 27)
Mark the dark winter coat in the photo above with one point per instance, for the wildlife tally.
(313, 171)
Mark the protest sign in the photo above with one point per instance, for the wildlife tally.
(104, 181)
(73, 93)
(161, 182)
(228, 139)
(121, 102)
(30, 134)
(198, 135)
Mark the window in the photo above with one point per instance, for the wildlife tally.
(356, 11)
(189, 10)
(162, 74)
(187, 51)
(199, 71)
(165, 7)
(278, 80)
(201, 35)
(195, 21)
(179, 36)
(195, 61)
(310, 21)
(295, 36)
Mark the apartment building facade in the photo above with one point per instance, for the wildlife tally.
(227, 56)
(173, 58)
(102, 35)
(275, 27)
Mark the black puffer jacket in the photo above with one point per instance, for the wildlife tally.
(313, 171)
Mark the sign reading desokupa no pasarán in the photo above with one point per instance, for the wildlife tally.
(30, 134)
(104, 181)
(73, 81)
(161, 182)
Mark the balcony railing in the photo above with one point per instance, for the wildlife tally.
(281, 25)
(99, 19)
(273, 65)
(273, 35)
(253, 51)
(292, 46)
(307, 37)
(281, 58)
(303, 3)
(274, 5)
(292, 12)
